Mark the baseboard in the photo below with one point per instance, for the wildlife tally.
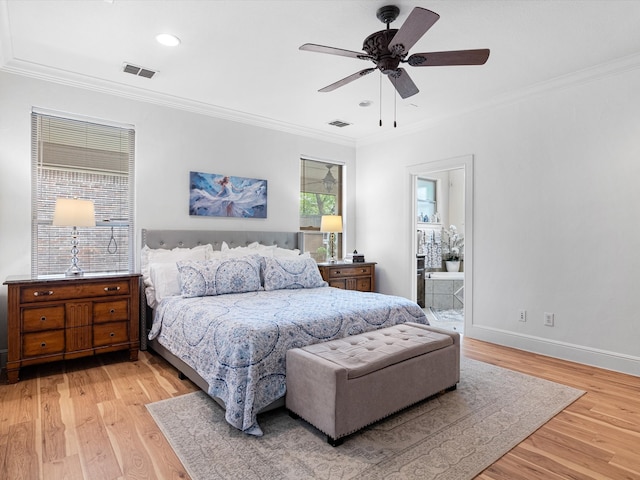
(567, 351)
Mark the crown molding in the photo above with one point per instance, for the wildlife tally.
(62, 77)
(574, 79)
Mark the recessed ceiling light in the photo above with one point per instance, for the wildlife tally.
(168, 39)
(365, 103)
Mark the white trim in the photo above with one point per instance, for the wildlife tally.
(42, 72)
(580, 77)
(422, 169)
(80, 118)
(320, 159)
(595, 357)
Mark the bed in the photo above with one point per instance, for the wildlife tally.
(230, 339)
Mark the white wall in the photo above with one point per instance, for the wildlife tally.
(169, 143)
(556, 219)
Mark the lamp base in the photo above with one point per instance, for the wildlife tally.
(74, 271)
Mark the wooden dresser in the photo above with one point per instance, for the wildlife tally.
(350, 276)
(59, 318)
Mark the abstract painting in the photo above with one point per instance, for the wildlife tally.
(215, 195)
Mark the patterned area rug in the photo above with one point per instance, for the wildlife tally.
(453, 436)
(450, 319)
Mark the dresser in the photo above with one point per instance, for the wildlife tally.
(58, 318)
(350, 276)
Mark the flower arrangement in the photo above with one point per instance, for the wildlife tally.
(452, 244)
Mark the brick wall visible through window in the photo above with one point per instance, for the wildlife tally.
(90, 161)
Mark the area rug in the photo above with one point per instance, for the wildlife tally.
(453, 436)
(452, 319)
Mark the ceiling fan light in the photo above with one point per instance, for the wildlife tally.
(168, 40)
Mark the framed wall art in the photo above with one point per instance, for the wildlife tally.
(215, 195)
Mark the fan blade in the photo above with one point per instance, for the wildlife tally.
(312, 47)
(403, 83)
(458, 57)
(415, 26)
(346, 80)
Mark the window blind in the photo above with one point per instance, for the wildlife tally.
(91, 161)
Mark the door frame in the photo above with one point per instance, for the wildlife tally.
(424, 169)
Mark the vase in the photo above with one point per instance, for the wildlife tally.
(452, 265)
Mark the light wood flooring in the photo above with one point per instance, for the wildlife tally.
(86, 419)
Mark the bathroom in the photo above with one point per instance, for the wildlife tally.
(440, 246)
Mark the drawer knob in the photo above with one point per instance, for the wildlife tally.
(337, 272)
(111, 289)
(43, 318)
(112, 334)
(112, 311)
(43, 344)
(43, 293)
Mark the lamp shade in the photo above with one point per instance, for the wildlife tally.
(72, 212)
(331, 223)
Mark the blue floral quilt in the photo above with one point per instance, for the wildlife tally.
(237, 342)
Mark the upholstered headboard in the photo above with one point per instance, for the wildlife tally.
(192, 238)
(170, 239)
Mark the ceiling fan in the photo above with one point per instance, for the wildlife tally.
(389, 48)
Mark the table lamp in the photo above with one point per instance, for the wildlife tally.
(72, 212)
(331, 224)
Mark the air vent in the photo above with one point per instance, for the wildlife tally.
(339, 123)
(138, 71)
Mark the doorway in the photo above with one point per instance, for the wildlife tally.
(448, 296)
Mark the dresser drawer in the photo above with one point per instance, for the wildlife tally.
(48, 292)
(36, 319)
(42, 343)
(110, 311)
(349, 271)
(110, 334)
(363, 284)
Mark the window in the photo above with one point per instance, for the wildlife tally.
(427, 206)
(90, 161)
(320, 194)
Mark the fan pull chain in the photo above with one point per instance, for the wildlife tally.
(380, 98)
(395, 109)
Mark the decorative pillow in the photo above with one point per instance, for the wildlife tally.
(217, 277)
(292, 272)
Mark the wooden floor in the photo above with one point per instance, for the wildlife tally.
(86, 419)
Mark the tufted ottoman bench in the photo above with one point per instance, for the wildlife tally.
(343, 385)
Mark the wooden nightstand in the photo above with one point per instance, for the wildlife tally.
(60, 318)
(350, 276)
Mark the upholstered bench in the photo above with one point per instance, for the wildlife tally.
(343, 385)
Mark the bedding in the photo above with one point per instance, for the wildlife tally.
(237, 342)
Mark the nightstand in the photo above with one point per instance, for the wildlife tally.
(57, 318)
(350, 276)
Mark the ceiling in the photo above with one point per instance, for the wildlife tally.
(239, 59)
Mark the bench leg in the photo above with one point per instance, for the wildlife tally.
(334, 442)
(295, 416)
(451, 388)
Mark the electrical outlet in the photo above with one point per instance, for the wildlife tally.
(548, 319)
(522, 315)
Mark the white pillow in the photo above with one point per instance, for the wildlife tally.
(165, 279)
(163, 255)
